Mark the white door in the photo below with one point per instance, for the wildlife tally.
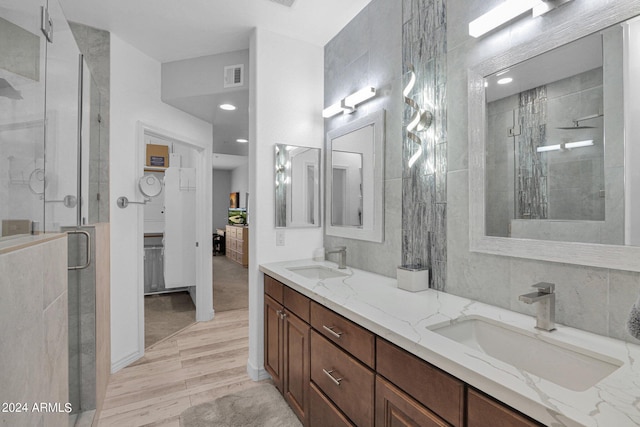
(180, 227)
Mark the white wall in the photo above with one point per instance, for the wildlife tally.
(221, 190)
(135, 96)
(240, 183)
(286, 101)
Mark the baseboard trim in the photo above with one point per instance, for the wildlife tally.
(126, 361)
(257, 373)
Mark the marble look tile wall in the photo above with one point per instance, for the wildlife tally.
(424, 188)
(589, 298)
(368, 51)
(33, 314)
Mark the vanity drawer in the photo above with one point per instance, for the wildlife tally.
(483, 411)
(323, 413)
(274, 289)
(297, 303)
(346, 334)
(438, 391)
(348, 383)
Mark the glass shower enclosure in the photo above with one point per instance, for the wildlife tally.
(50, 127)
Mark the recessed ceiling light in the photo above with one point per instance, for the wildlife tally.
(227, 107)
(505, 81)
(242, 140)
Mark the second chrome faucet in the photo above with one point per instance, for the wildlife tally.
(545, 298)
(342, 250)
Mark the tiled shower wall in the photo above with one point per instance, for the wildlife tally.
(424, 184)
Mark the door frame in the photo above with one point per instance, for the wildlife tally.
(204, 290)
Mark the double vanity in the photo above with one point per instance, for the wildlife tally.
(356, 349)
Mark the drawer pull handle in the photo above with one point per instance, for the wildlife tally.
(332, 332)
(281, 314)
(334, 379)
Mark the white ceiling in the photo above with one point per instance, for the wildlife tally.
(170, 30)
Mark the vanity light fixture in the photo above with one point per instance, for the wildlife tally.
(348, 104)
(565, 145)
(242, 140)
(505, 81)
(227, 107)
(509, 10)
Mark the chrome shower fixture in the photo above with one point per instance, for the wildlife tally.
(576, 122)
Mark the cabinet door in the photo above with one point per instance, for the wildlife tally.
(397, 409)
(483, 411)
(273, 340)
(296, 364)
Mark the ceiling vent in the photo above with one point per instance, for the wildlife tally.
(234, 75)
(287, 3)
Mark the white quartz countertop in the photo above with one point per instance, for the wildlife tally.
(403, 318)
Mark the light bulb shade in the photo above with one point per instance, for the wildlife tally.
(578, 144)
(500, 15)
(360, 96)
(332, 110)
(548, 148)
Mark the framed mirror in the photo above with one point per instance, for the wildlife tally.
(552, 148)
(297, 186)
(355, 174)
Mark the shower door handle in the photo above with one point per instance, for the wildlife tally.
(88, 253)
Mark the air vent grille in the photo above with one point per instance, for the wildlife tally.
(234, 75)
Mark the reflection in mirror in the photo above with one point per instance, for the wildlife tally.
(346, 197)
(297, 189)
(355, 172)
(554, 144)
(537, 190)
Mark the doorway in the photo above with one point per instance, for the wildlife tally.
(171, 297)
(229, 271)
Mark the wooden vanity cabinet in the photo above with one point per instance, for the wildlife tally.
(333, 372)
(286, 344)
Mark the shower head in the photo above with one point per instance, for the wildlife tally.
(576, 123)
(576, 126)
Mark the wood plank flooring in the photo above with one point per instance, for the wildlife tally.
(200, 363)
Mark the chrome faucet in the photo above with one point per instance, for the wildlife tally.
(546, 308)
(342, 250)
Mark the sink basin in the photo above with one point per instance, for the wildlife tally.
(317, 272)
(569, 367)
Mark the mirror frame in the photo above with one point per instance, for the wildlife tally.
(318, 187)
(618, 257)
(376, 233)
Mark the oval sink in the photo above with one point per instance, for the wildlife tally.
(569, 367)
(317, 272)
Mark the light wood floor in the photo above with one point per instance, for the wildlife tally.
(202, 362)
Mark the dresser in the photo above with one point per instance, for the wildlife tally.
(237, 244)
